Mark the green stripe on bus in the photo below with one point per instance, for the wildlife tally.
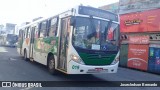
(96, 60)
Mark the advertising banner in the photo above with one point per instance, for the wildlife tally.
(139, 39)
(146, 21)
(138, 56)
(154, 58)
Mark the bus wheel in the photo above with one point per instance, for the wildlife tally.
(51, 65)
(25, 55)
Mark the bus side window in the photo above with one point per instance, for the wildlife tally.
(53, 27)
(43, 29)
(26, 33)
(112, 32)
(36, 35)
(29, 30)
(20, 33)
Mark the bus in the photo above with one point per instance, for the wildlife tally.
(9, 40)
(82, 40)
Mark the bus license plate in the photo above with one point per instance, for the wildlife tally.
(98, 69)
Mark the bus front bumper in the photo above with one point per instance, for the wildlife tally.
(76, 68)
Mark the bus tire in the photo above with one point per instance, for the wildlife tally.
(25, 56)
(51, 65)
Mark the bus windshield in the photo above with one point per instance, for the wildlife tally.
(12, 38)
(95, 34)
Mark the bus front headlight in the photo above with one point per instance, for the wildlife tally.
(76, 58)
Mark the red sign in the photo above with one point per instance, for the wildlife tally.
(133, 22)
(143, 39)
(138, 56)
(146, 21)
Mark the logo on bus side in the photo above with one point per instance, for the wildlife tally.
(75, 67)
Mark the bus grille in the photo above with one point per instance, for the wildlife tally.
(97, 59)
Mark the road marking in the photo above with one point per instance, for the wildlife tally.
(2, 49)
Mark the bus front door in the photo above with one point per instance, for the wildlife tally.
(63, 44)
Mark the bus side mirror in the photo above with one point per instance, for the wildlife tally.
(72, 21)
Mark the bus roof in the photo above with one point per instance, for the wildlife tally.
(84, 10)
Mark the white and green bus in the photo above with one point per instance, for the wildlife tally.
(83, 40)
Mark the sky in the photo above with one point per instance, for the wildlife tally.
(19, 11)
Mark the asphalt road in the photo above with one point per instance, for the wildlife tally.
(14, 68)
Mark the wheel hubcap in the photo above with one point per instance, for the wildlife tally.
(51, 64)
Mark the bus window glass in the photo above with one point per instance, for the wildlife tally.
(36, 32)
(24, 33)
(53, 27)
(90, 33)
(20, 33)
(28, 34)
(112, 31)
(43, 29)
